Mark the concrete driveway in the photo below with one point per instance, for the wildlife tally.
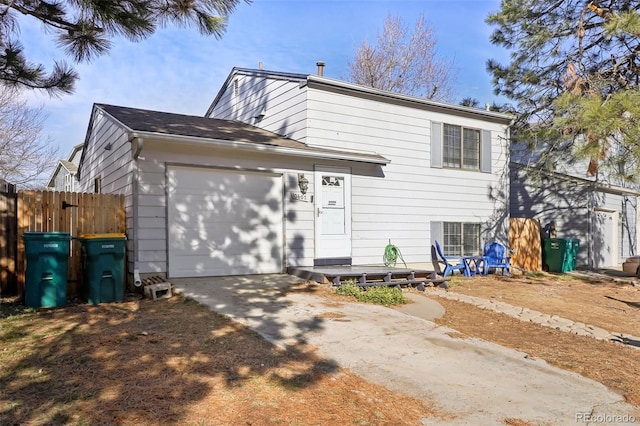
(475, 381)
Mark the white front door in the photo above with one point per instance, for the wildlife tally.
(333, 212)
(605, 238)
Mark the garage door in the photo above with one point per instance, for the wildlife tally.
(223, 222)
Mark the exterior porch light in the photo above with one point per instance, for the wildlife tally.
(303, 183)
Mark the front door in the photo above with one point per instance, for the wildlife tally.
(605, 238)
(333, 212)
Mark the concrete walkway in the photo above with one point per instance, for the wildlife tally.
(470, 381)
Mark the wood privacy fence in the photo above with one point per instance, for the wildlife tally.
(525, 240)
(8, 232)
(72, 212)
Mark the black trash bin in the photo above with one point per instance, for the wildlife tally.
(103, 266)
(47, 256)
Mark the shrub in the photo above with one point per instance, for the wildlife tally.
(379, 295)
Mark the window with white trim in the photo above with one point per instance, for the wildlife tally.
(460, 147)
(461, 239)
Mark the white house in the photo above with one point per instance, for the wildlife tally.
(64, 177)
(300, 170)
(602, 215)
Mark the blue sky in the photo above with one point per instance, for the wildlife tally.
(178, 70)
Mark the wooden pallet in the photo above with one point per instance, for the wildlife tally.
(390, 279)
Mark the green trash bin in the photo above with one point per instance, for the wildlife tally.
(556, 255)
(575, 246)
(103, 267)
(47, 256)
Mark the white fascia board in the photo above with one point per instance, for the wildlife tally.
(255, 147)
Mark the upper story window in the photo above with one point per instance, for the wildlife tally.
(459, 147)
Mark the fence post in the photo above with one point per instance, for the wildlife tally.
(8, 239)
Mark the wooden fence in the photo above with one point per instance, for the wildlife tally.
(8, 232)
(72, 212)
(525, 240)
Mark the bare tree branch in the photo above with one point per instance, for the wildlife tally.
(25, 158)
(403, 61)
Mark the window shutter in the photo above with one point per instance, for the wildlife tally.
(485, 151)
(436, 232)
(436, 145)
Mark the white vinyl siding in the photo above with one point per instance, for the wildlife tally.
(399, 201)
(280, 102)
(152, 196)
(114, 167)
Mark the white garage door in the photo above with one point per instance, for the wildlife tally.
(223, 222)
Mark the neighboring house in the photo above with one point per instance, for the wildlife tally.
(603, 216)
(299, 170)
(64, 177)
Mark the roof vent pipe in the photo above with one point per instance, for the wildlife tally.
(320, 65)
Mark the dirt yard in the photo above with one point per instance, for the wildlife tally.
(174, 362)
(600, 302)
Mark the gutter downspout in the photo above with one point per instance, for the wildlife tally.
(138, 142)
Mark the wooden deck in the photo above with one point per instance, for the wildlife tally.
(370, 276)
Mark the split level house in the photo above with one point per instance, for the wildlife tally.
(64, 177)
(288, 170)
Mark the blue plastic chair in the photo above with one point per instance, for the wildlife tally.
(495, 257)
(438, 257)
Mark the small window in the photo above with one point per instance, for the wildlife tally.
(461, 147)
(97, 185)
(236, 89)
(461, 239)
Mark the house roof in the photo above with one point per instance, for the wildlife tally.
(68, 165)
(329, 84)
(74, 152)
(591, 182)
(72, 168)
(222, 133)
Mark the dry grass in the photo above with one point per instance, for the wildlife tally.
(173, 362)
(612, 364)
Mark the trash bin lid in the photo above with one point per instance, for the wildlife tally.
(111, 235)
(36, 235)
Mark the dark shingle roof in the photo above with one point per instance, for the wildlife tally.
(201, 127)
